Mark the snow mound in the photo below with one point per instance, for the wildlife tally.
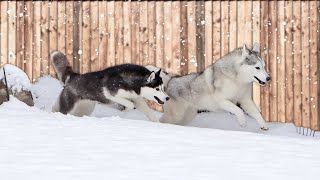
(45, 92)
(17, 79)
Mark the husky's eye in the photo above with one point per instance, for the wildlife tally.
(157, 89)
(258, 68)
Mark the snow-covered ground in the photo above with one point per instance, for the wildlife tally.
(37, 144)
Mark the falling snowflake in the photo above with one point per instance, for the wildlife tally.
(79, 52)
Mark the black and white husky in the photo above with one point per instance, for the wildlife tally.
(125, 84)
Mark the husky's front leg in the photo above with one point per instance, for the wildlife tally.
(251, 108)
(234, 109)
(142, 106)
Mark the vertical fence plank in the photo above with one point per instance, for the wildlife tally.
(264, 97)
(159, 34)
(20, 35)
(62, 26)
(69, 32)
(314, 64)
(4, 33)
(12, 27)
(297, 62)
(273, 60)
(94, 31)
(118, 16)
(86, 34)
(135, 11)
(305, 64)
(28, 34)
(36, 65)
(216, 31)
(208, 33)
(53, 34)
(152, 32)
(143, 31)
(167, 36)
(176, 49)
(103, 35)
(127, 32)
(77, 36)
(281, 62)
(192, 59)
(241, 23)
(232, 25)
(289, 62)
(45, 62)
(184, 38)
(200, 39)
(256, 23)
(224, 27)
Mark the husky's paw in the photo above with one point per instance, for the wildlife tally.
(265, 128)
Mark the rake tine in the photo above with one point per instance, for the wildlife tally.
(313, 133)
(307, 132)
(303, 131)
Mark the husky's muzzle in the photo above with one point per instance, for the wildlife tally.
(159, 101)
(260, 82)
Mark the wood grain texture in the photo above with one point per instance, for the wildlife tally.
(216, 42)
(184, 38)
(86, 34)
(143, 33)
(151, 32)
(167, 37)
(264, 96)
(305, 64)
(94, 32)
(4, 33)
(256, 24)
(314, 65)
(12, 26)
(53, 31)
(208, 54)
(20, 35)
(192, 58)
(135, 24)
(273, 60)
(28, 34)
(176, 49)
(118, 16)
(289, 62)
(127, 32)
(281, 98)
(36, 61)
(200, 38)
(297, 105)
(103, 35)
(160, 34)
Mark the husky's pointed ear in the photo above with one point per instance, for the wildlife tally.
(149, 78)
(256, 48)
(158, 73)
(245, 50)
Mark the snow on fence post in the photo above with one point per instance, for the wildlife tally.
(178, 36)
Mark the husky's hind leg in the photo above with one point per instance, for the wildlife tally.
(66, 102)
(142, 106)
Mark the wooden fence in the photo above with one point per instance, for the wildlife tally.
(180, 36)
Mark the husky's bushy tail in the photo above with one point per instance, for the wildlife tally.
(61, 66)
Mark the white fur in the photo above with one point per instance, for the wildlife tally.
(80, 108)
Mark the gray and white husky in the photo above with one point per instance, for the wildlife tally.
(125, 84)
(221, 86)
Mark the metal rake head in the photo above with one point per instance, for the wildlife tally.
(305, 131)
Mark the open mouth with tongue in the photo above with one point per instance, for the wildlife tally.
(159, 101)
(260, 82)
